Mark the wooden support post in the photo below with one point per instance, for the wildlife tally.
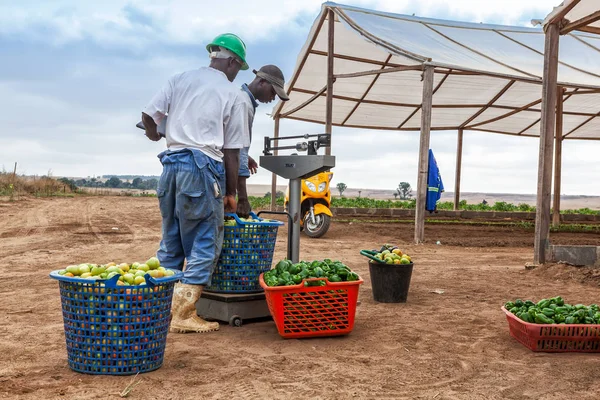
(459, 146)
(274, 177)
(558, 139)
(424, 154)
(330, 58)
(549, 89)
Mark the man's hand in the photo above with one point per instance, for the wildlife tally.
(229, 204)
(154, 136)
(252, 165)
(243, 208)
(151, 128)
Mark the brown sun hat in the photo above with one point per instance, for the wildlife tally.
(274, 76)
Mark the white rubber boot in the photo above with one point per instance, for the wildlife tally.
(183, 310)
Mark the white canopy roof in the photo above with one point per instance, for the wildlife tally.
(581, 15)
(487, 77)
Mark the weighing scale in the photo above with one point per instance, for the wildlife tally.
(235, 308)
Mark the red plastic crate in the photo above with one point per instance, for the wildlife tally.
(313, 311)
(554, 338)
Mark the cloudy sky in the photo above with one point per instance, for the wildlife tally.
(75, 75)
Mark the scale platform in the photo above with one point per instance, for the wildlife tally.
(233, 309)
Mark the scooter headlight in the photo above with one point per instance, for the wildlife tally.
(322, 186)
(311, 186)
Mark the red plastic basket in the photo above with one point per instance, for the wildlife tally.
(554, 338)
(312, 311)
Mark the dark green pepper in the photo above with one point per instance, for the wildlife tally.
(540, 318)
(352, 276)
(318, 272)
(519, 303)
(529, 303)
(579, 307)
(509, 305)
(543, 303)
(570, 320)
(334, 278)
(527, 317)
(559, 318)
(548, 312)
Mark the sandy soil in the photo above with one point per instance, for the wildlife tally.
(453, 345)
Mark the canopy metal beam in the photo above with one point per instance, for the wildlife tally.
(549, 89)
(558, 138)
(274, 177)
(459, 147)
(423, 154)
(582, 24)
(330, 79)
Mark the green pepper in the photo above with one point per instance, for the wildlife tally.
(561, 310)
(519, 303)
(557, 300)
(570, 320)
(579, 307)
(315, 264)
(552, 306)
(529, 303)
(318, 272)
(335, 278)
(559, 318)
(548, 312)
(543, 303)
(540, 318)
(283, 265)
(281, 281)
(352, 276)
(294, 269)
(509, 305)
(297, 279)
(304, 273)
(580, 314)
(272, 281)
(526, 317)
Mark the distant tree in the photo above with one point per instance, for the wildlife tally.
(404, 190)
(70, 183)
(137, 183)
(267, 195)
(341, 187)
(396, 195)
(359, 192)
(113, 182)
(279, 194)
(150, 184)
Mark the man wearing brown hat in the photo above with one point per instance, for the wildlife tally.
(269, 82)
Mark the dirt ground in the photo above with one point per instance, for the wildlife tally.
(453, 345)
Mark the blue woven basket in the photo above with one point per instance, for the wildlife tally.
(115, 330)
(247, 252)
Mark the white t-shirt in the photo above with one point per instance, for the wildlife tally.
(206, 112)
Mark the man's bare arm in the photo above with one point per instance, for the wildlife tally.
(150, 125)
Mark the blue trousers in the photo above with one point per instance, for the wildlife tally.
(190, 194)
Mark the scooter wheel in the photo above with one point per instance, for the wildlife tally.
(319, 228)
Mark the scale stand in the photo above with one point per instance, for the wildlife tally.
(295, 168)
(235, 308)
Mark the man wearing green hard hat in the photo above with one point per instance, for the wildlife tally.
(207, 125)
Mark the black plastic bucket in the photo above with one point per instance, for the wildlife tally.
(390, 282)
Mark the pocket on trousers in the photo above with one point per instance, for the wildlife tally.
(195, 205)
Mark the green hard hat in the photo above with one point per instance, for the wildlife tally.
(232, 43)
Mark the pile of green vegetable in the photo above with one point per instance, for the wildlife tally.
(554, 311)
(287, 273)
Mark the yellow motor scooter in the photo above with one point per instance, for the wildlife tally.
(315, 201)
